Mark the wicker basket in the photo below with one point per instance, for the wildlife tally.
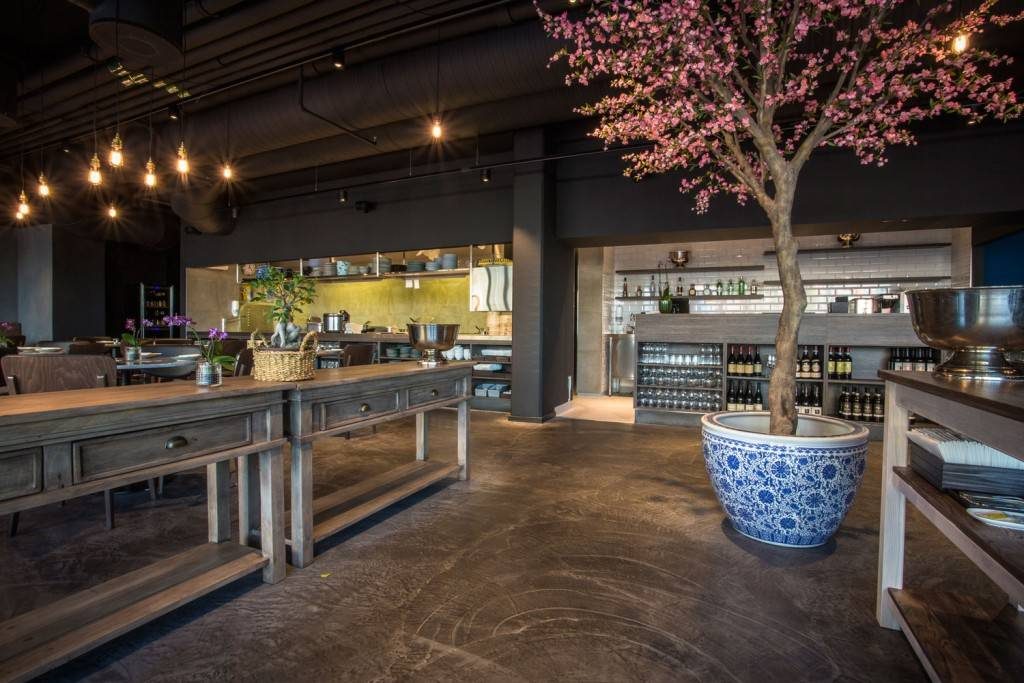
(279, 365)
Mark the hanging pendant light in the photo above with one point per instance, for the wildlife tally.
(44, 188)
(182, 163)
(23, 207)
(112, 211)
(227, 172)
(95, 177)
(960, 43)
(150, 178)
(436, 130)
(116, 158)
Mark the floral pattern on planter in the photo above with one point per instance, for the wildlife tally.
(787, 495)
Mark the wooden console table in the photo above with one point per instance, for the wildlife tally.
(953, 636)
(341, 400)
(56, 446)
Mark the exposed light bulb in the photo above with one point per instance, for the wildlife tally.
(436, 129)
(44, 188)
(182, 163)
(19, 215)
(227, 172)
(23, 206)
(960, 43)
(112, 211)
(150, 178)
(485, 175)
(95, 177)
(116, 157)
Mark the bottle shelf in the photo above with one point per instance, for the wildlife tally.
(677, 387)
(694, 297)
(682, 367)
(870, 382)
(678, 272)
(677, 411)
(758, 378)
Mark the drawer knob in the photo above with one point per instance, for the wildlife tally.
(176, 442)
(365, 408)
(433, 392)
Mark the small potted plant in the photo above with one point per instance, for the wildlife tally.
(131, 339)
(210, 367)
(5, 341)
(287, 293)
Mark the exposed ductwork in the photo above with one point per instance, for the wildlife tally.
(141, 33)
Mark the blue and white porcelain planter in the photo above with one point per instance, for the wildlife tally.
(785, 490)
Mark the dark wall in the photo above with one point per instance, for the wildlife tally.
(79, 306)
(445, 211)
(969, 172)
(1003, 261)
(8, 274)
(127, 266)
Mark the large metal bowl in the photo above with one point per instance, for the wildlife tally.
(977, 324)
(430, 338)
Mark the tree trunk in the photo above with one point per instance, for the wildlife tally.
(782, 388)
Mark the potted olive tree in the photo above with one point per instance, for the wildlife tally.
(287, 294)
(738, 96)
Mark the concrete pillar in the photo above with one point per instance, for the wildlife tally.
(542, 315)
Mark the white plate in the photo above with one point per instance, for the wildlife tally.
(149, 354)
(1006, 520)
(188, 355)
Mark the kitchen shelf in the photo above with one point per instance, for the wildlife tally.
(680, 271)
(756, 378)
(487, 375)
(697, 297)
(504, 360)
(853, 281)
(881, 247)
(344, 278)
(677, 387)
(451, 272)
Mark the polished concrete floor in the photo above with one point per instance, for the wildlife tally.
(579, 551)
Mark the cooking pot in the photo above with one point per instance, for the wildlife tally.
(335, 322)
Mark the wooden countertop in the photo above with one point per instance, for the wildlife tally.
(363, 373)
(1000, 398)
(57, 404)
(394, 338)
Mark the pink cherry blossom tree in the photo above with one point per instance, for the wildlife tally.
(739, 93)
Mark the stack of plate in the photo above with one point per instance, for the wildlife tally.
(415, 266)
(449, 261)
(433, 266)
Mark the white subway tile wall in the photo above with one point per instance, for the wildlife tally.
(866, 271)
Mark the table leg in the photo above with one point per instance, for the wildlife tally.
(302, 504)
(272, 513)
(463, 440)
(422, 435)
(893, 514)
(218, 501)
(249, 500)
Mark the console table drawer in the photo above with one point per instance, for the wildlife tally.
(338, 413)
(109, 455)
(21, 473)
(438, 391)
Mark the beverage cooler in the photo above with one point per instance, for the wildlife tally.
(156, 302)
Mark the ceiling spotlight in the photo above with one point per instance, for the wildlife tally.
(343, 197)
(338, 58)
(65, 146)
(116, 157)
(485, 175)
(44, 188)
(182, 163)
(95, 177)
(23, 207)
(960, 43)
(436, 131)
(174, 112)
(112, 211)
(150, 178)
(227, 172)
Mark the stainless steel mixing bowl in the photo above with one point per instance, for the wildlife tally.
(430, 338)
(977, 324)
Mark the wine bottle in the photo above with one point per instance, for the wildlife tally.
(731, 364)
(805, 365)
(832, 363)
(816, 400)
(748, 363)
(815, 364)
(848, 364)
(844, 404)
(856, 405)
(625, 287)
(758, 366)
(758, 399)
(919, 364)
(878, 409)
(929, 361)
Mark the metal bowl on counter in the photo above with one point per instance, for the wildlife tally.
(977, 324)
(429, 338)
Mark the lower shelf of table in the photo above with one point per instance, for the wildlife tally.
(957, 639)
(495, 403)
(40, 640)
(343, 508)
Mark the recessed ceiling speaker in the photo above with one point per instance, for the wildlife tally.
(142, 33)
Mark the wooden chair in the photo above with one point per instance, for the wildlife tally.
(30, 374)
(88, 348)
(6, 351)
(243, 363)
(357, 354)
